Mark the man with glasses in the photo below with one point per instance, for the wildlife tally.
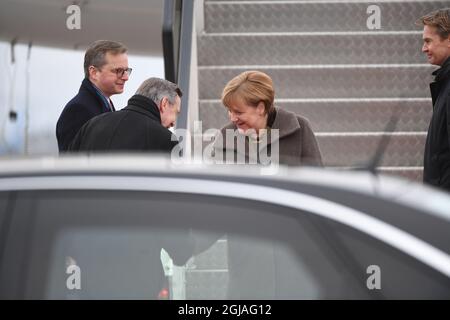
(106, 71)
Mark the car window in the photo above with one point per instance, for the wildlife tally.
(112, 244)
(399, 275)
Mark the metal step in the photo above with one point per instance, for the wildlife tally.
(405, 149)
(310, 48)
(294, 16)
(357, 149)
(339, 115)
(410, 173)
(328, 81)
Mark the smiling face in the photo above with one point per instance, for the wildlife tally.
(106, 78)
(436, 48)
(247, 117)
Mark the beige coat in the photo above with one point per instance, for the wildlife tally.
(256, 270)
(296, 142)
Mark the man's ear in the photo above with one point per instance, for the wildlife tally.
(163, 105)
(92, 73)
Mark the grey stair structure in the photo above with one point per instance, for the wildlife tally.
(329, 65)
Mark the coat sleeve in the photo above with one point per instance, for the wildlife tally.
(311, 154)
(71, 121)
(75, 144)
(448, 118)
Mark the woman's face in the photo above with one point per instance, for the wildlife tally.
(247, 117)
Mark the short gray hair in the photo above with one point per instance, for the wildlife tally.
(156, 89)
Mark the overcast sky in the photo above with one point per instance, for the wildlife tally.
(55, 76)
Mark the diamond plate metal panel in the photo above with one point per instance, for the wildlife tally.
(412, 174)
(274, 16)
(328, 81)
(216, 257)
(339, 116)
(331, 78)
(206, 285)
(266, 49)
(356, 150)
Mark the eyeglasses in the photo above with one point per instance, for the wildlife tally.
(120, 71)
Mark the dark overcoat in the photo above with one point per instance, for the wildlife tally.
(135, 128)
(437, 147)
(87, 104)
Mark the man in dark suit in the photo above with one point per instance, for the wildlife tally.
(141, 126)
(436, 45)
(106, 71)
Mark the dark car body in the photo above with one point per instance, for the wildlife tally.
(296, 234)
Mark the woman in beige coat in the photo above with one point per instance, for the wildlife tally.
(249, 99)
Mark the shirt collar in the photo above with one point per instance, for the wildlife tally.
(106, 100)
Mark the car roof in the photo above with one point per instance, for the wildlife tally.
(356, 181)
(385, 187)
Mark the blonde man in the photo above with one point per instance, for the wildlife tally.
(436, 45)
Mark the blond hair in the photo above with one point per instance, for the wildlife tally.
(439, 19)
(252, 87)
